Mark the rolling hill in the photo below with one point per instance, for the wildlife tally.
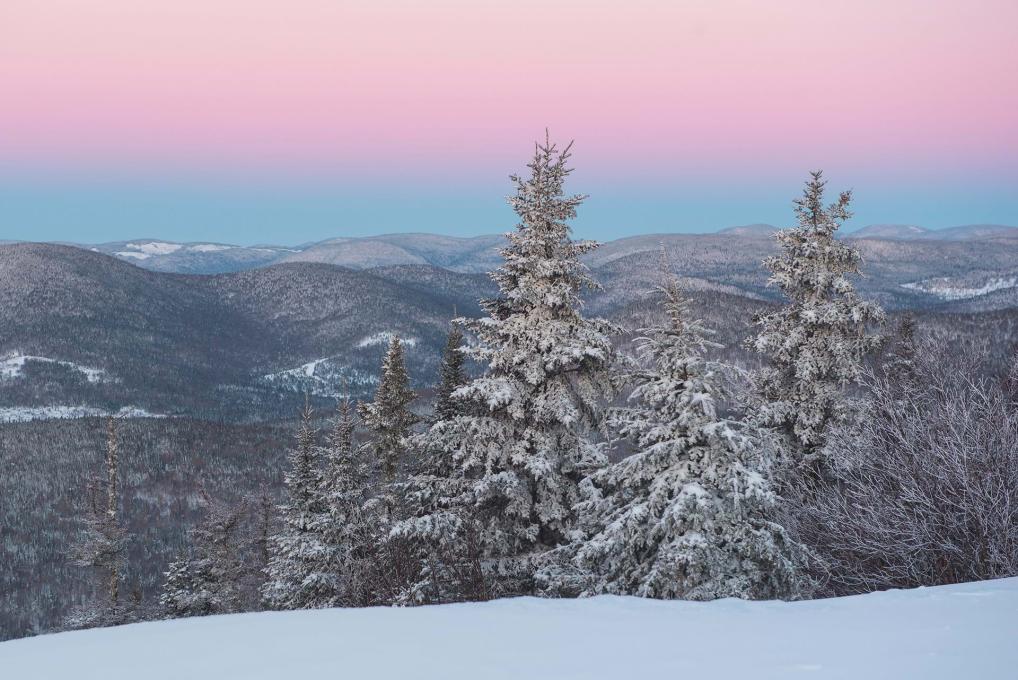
(911, 232)
(466, 254)
(173, 344)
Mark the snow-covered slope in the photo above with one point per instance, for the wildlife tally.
(192, 258)
(952, 632)
(946, 289)
(903, 232)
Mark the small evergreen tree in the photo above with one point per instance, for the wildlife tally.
(389, 417)
(690, 513)
(350, 533)
(439, 527)
(300, 570)
(453, 375)
(815, 344)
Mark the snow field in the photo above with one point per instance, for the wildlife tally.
(957, 632)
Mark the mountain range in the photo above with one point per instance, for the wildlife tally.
(81, 329)
(463, 254)
(911, 232)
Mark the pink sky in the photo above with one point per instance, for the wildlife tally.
(680, 110)
(653, 86)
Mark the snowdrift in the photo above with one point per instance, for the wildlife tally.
(957, 632)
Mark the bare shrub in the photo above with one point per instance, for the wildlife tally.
(927, 489)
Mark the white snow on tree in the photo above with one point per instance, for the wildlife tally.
(523, 436)
(689, 514)
(437, 524)
(389, 417)
(432, 526)
(389, 420)
(350, 532)
(300, 570)
(816, 342)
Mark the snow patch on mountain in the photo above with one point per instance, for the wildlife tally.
(136, 256)
(12, 365)
(155, 247)
(209, 247)
(325, 377)
(945, 289)
(384, 338)
(942, 633)
(22, 414)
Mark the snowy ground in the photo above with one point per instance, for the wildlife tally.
(958, 632)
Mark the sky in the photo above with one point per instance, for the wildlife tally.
(288, 121)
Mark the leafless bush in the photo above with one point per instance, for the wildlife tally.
(928, 483)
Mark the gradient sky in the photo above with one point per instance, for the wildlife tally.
(286, 121)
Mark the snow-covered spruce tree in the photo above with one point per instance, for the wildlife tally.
(691, 513)
(350, 533)
(389, 417)
(300, 570)
(209, 577)
(523, 434)
(102, 545)
(436, 524)
(453, 376)
(816, 342)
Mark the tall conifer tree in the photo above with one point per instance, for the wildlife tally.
(816, 342)
(523, 438)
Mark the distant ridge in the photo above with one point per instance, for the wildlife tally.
(195, 257)
(468, 254)
(750, 230)
(899, 232)
(477, 253)
(975, 231)
(911, 232)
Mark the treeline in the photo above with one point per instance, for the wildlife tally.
(851, 460)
